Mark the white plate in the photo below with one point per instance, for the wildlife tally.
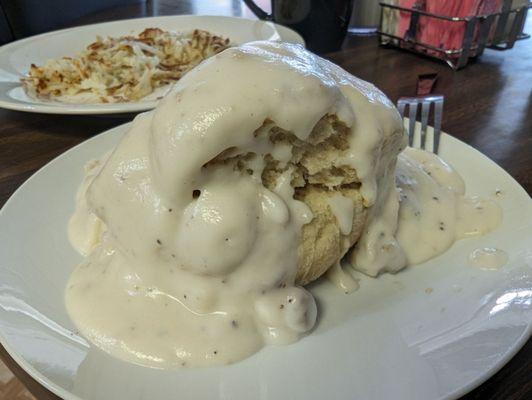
(390, 339)
(16, 57)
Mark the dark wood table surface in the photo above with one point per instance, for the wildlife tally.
(487, 105)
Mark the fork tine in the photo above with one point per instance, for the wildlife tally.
(412, 111)
(401, 107)
(425, 111)
(438, 110)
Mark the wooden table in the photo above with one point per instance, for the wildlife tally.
(488, 105)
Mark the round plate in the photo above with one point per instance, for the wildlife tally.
(16, 57)
(433, 331)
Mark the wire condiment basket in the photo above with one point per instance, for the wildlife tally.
(495, 30)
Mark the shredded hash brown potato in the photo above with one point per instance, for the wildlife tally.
(122, 69)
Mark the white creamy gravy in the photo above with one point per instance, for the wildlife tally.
(193, 266)
(342, 208)
(423, 217)
(488, 258)
(341, 278)
(434, 211)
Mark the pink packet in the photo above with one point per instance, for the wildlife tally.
(405, 16)
(448, 35)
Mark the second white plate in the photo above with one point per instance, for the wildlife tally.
(16, 57)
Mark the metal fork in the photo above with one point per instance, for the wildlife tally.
(413, 104)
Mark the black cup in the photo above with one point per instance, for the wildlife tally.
(322, 23)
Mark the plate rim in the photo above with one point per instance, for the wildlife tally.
(116, 108)
(67, 395)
